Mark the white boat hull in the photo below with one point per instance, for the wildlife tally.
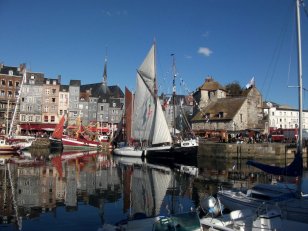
(129, 152)
(291, 208)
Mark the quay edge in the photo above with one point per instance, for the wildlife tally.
(265, 151)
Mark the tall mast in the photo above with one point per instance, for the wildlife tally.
(173, 93)
(24, 70)
(300, 74)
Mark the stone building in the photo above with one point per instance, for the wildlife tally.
(219, 112)
(209, 91)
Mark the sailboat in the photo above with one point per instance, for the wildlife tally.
(56, 137)
(149, 126)
(291, 201)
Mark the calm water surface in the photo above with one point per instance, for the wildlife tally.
(84, 190)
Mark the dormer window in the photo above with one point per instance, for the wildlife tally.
(220, 114)
(32, 77)
(11, 72)
(47, 82)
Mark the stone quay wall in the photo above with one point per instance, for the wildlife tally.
(270, 151)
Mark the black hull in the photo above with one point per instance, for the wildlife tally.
(176, 155)
(56, 144)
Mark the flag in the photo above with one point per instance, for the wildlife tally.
(250, 83)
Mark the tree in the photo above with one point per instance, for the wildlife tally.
(234, 89)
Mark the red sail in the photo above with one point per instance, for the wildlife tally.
(57, 133)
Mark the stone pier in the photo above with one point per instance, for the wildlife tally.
(270, 151)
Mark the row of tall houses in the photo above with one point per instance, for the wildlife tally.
(43, 101)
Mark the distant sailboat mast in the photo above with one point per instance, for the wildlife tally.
(173, 93)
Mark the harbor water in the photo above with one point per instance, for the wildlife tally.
(85, 190)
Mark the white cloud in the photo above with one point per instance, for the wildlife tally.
(205, 51)
(205, 34)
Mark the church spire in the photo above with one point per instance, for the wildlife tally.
(104, 83)
(105, 71)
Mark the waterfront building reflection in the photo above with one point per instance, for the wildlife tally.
(112, 188)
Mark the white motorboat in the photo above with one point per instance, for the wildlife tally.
(265, 217)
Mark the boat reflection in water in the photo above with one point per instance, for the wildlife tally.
(85, 190)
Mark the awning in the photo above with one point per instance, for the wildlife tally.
(38, 127)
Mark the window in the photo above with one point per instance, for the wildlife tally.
(10, 94)
(10, 83)
(3, 82)
(32, 77)
(16, 84)
(11, 72)
(102, 108)
(23, 118)
(61, 112)
(30, 118)
(114, 104)
(46, 109)
(241, 118)
(52, 119)
(29, 108)
(54, 91)
(37, 119)
(53, 100)
(46, 119)
(2, 93)
(47, 91)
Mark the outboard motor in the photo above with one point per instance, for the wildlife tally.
(211, 205)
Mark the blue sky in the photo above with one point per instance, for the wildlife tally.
(230, 40)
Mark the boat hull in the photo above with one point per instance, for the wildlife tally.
(171, 152)
(291, 207)
(78, 144)
(8, 149)
(56, 143)
(128, 152)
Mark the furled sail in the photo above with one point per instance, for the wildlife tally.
(294, 169)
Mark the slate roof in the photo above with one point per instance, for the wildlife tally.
(211, 85)
(38, 78)
(75, 83)
(5, 70)
(102, 91)
(228, 106)
(64, 88)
